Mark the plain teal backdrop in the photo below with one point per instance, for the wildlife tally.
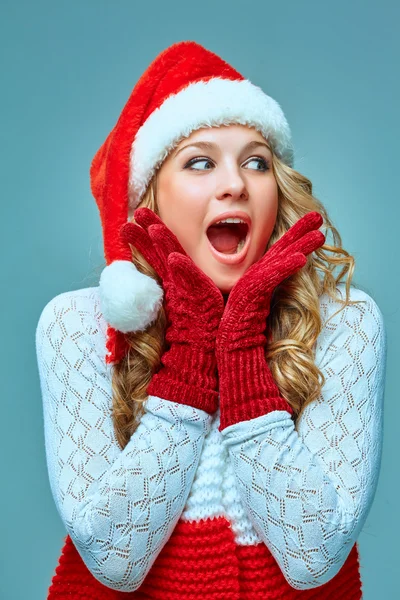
(67, 70)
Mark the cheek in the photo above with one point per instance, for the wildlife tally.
(264, 231)
(182, 218)
(177, 220)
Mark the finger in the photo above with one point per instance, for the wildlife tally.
(189, 277)
(161, 242)
(145, 217)
(308, 243)
(185, 271)
(310, 221)
(263, 277)
(292, 264)
(130, 233)
(165, 238)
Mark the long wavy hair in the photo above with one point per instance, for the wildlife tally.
(294, 322)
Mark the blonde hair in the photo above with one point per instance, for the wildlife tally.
(294, 321)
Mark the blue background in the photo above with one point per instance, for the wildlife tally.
(67, 70)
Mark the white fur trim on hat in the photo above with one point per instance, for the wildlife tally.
(129, 300)
(204, 103)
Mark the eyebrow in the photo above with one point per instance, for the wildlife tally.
(212, 146)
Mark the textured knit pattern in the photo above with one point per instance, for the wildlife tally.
(267, 508)
(260, 390)
(193, 309)
(243, 370)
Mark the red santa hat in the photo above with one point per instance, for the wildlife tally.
(185, 88)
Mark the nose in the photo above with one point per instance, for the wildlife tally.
(232, 184)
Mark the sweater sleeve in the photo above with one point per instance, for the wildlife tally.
(118, 506)
(308, 486)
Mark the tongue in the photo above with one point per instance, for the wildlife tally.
(224, 238)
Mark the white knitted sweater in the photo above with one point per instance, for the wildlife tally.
(303, 488)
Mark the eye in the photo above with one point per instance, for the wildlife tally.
(197, 160)
(261, 161)
(256, 159)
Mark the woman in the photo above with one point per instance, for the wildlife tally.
(228, 445)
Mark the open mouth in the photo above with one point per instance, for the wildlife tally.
(228, 238)
(229, 242)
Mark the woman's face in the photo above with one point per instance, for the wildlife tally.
(213, 171)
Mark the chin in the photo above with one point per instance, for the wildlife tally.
(225, 285)
(224, 277)
(225, 289)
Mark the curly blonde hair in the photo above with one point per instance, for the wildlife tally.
(294, 322)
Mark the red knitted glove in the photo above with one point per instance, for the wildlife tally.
(194, 307)
(247, 388)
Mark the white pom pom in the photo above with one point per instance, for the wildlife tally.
(130, 300)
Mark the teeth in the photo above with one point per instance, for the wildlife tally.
(230, 220)
(240, 245)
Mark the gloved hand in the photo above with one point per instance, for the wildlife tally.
(193, 306)
(247, 388)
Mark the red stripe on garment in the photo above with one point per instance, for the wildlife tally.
(201, 561)
(262, 579)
